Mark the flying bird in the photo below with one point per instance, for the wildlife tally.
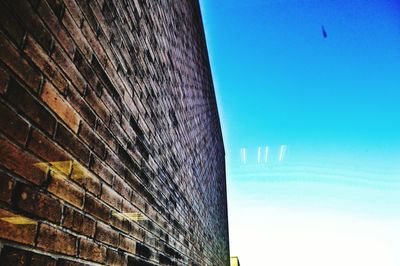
(324, 32)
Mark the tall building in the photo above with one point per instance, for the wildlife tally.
(111, 150)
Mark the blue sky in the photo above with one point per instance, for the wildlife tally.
(332, 104)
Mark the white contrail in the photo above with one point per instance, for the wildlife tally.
(259, 155)
(266, 153)
(243, 155)
(282, 152)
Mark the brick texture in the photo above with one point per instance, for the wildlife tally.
(111, 150)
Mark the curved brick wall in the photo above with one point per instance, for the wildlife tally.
(110, 145)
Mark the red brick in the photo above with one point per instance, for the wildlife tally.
(69, 69)
(106, 135)
(122, 187)
(98, 106)
(12, 125)
(20, 162)
(115, 162)
(76, 100)
(101, 170)
(88, 136)
(97, 208)
(17, 228)
(92, 251)
(72, 144)
(54, 240)
(85, 178)
(78, 222)
(127, 244)
(24, 10)
(51, 19)
(117, 220)
(37, 203)
(116, 258)
(6, 187)
(77, 35)
(111, 197)
(62, 108)
(46, 149)
(13, 59)
(30, 106)
(65, 189)
(33, 50)
(106, 234)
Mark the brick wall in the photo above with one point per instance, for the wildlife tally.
(110, 145)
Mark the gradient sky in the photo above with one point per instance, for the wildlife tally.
(332, 105)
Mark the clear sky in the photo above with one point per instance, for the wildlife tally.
(311, 128)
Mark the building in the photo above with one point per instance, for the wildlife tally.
(111, 150)
(235, 261)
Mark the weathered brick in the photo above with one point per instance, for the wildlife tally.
(85, 178)
(76, 34)
(72, 144)
(78, 222)
(52, 20)
(122, 187)
(19, 65)
(127, 244)
(69, 69)
(39, 56)
(120, 124)
(96, 208)
(65, 189)
(17, 228)
(91, 139)
(107, 235)
(116, 258)
(111, 197)
(98, 106)
(46, 149)
(20, 162)
(102, 170)
(92, 251)
(37, 203)
(78, 103)
(54, 240)
(106, 135)
(55, 101)
(26, 103)
(12, 125)
(24, 10)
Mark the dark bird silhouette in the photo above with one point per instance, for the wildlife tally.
(324, 32)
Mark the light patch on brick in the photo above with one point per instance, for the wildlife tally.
(131, 216)
(20, 220)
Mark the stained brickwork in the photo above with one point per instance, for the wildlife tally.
(110, 145)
